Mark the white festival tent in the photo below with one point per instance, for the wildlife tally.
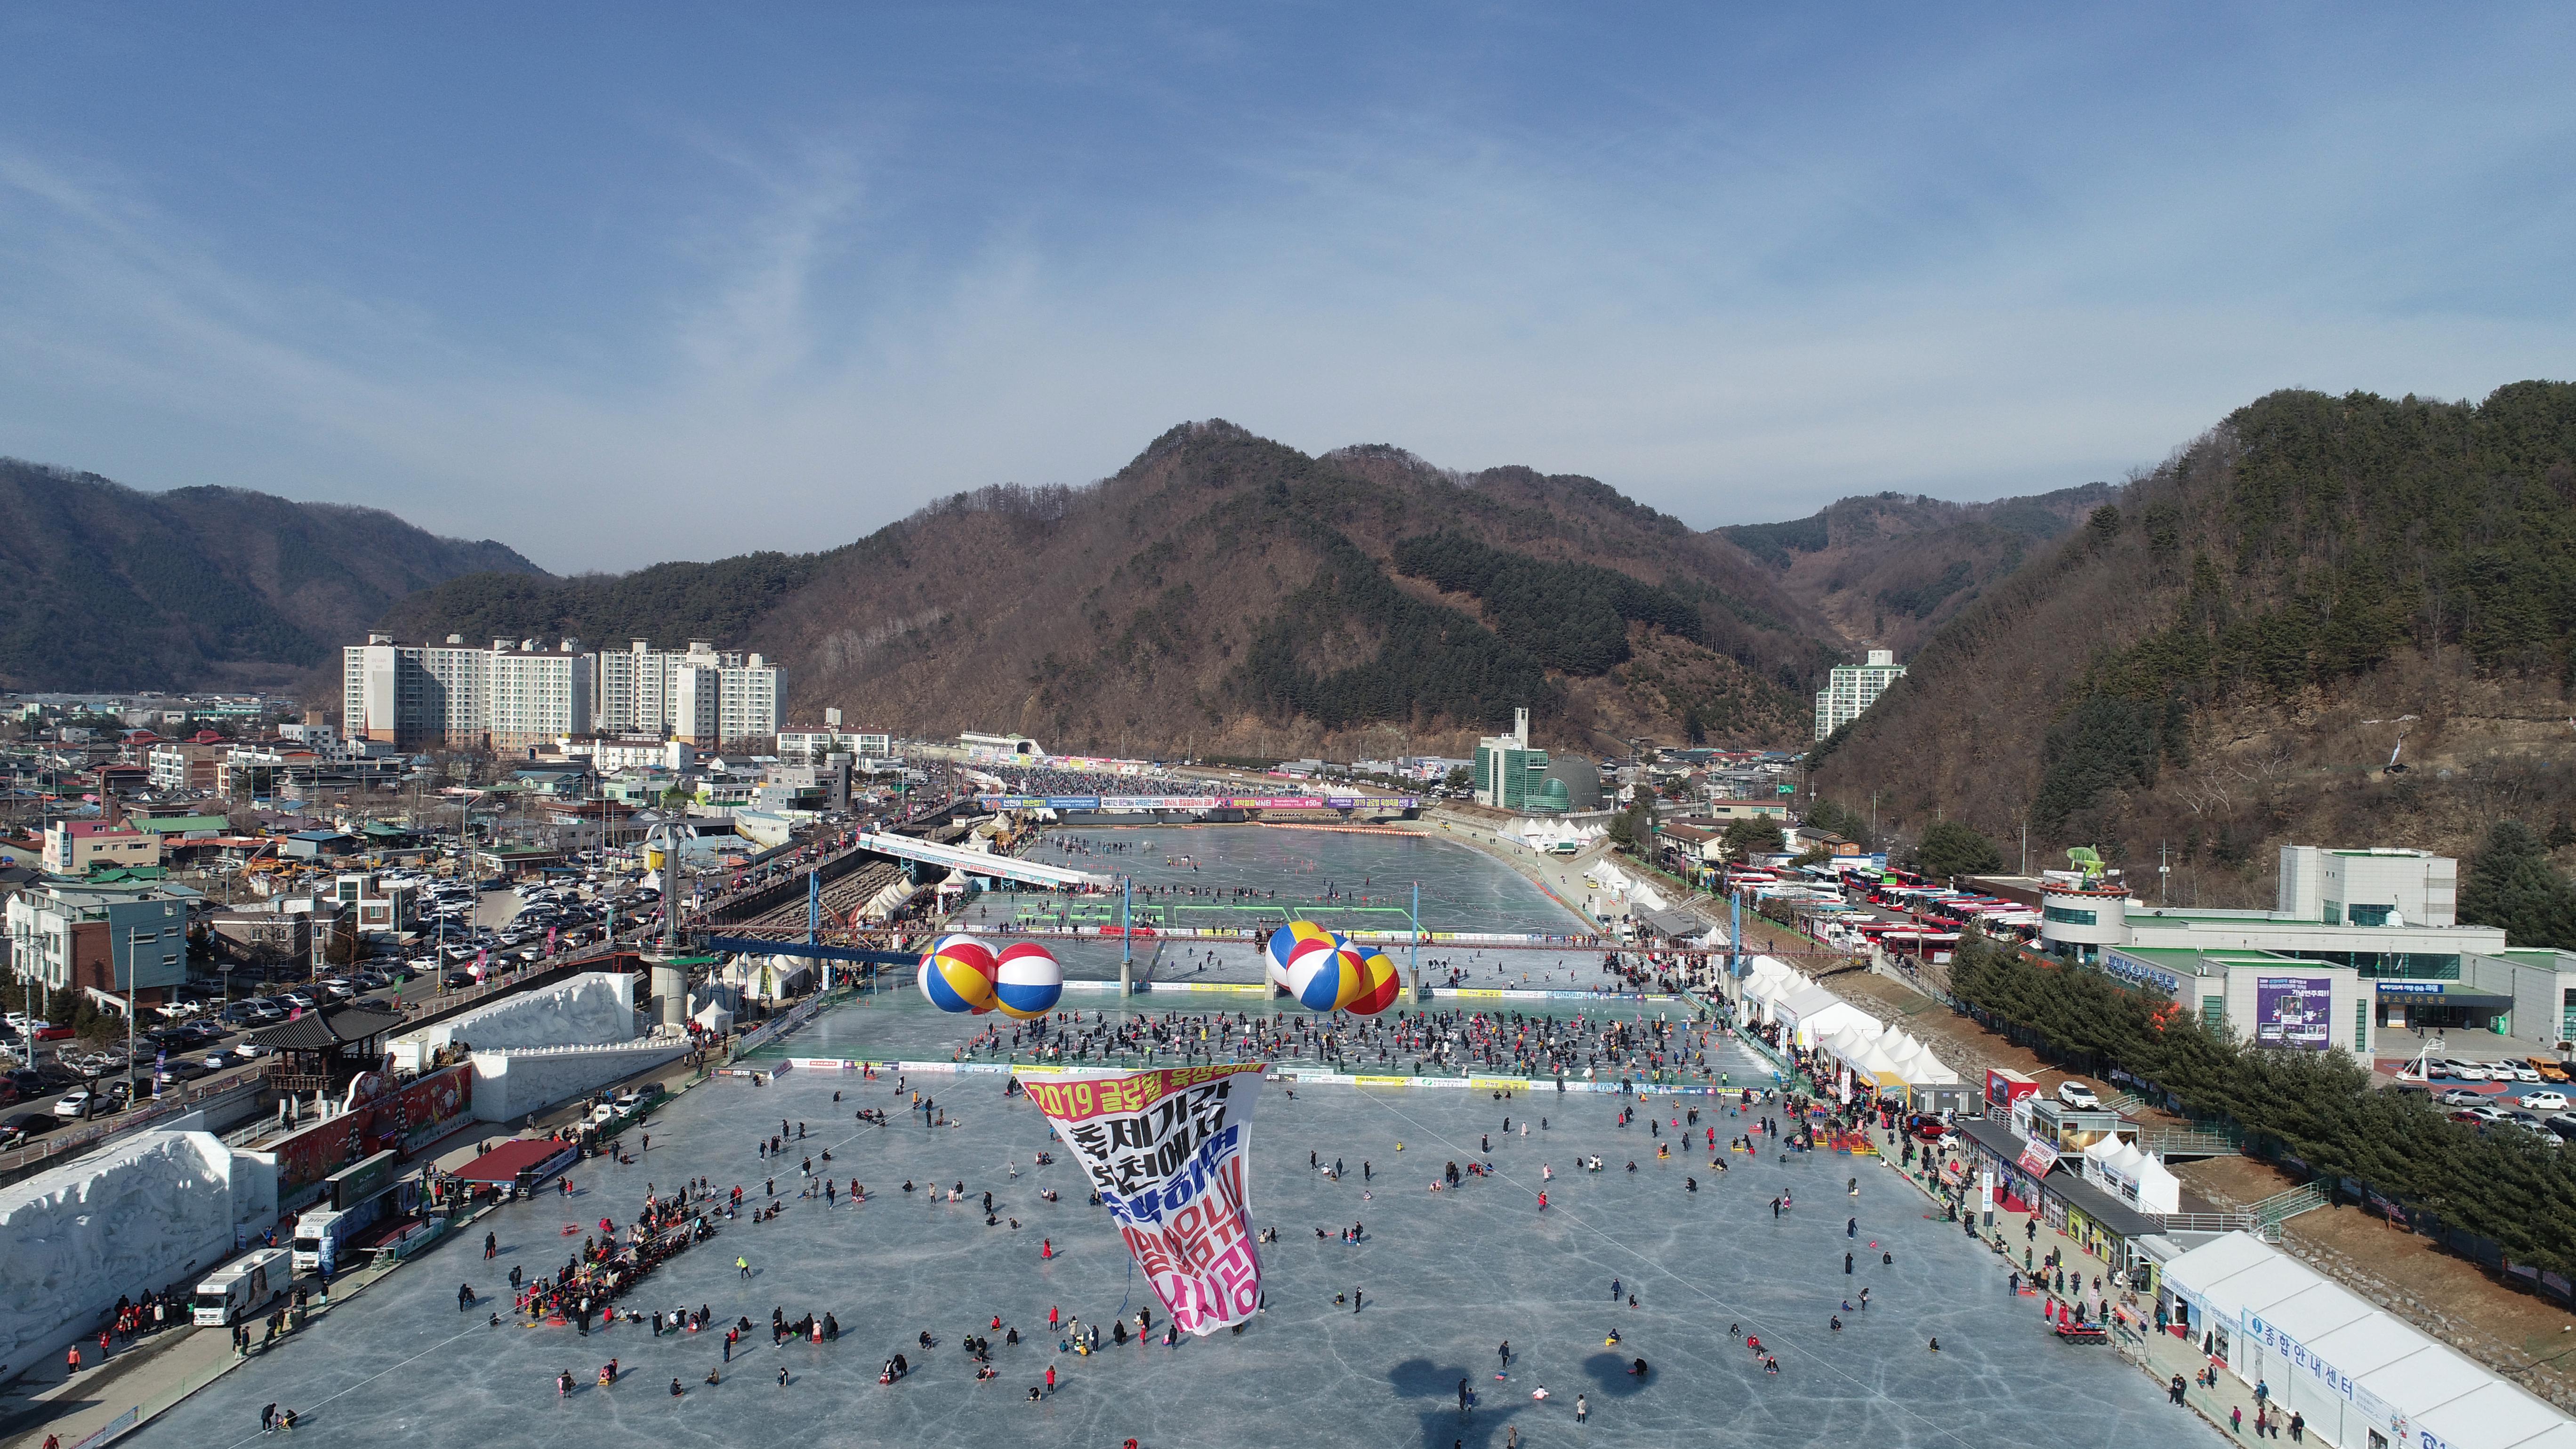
(2135, 1177)
(1815, 1013)
(2354, 1371)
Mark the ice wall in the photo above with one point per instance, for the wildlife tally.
(511, 1085)
(152, 1211)
(593, 1008)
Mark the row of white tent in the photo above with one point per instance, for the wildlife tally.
(2361, 1376)
(1817, 1020)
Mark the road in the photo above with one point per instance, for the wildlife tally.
(494, 908)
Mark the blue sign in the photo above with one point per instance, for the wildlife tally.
(2409, 988)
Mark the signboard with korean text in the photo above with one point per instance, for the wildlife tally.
(2293, 1011)
(2037, 1158)
(1167, 1152)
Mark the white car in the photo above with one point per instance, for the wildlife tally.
(2510, 1071)
(2461, 1097)
(2463, 1071)
(2544, 1101)
(2076, 1094)
(72, 1104)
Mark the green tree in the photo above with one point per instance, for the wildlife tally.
(1953, 847)
(1842, 820)
(1754, 834)
(2512, 884)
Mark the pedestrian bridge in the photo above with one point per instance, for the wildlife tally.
(979, 862)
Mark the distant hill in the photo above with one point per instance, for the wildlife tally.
(1226, 594)
(2226, 655)
(1889, 569)
(108, 587)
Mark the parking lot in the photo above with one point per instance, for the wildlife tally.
(69, 1081)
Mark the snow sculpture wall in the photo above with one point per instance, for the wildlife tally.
(593, 1008)
(511, 1085)
(156, 1210)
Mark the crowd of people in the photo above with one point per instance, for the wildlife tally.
(612, 1264)
(1661, 1048)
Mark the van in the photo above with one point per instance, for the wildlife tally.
(241, 1288)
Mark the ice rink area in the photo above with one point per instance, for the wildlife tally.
(1184, 877)
(1446, 1278)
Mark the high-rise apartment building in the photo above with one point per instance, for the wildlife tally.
(508, 696)
(1853, 688)
(706, 696)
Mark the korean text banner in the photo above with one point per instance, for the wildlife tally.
(1167, 1152)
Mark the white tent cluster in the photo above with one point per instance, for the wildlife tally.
(1619, 885)
(1816, 1019)
(2133, 1175)
(2359, 1375)
(1543, 835)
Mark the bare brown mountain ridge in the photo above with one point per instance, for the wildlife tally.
(2226, 656)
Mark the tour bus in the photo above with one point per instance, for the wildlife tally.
(241, 1288)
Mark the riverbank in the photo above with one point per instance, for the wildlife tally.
(1558, 876)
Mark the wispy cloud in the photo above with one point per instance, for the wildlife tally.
(2013, 263)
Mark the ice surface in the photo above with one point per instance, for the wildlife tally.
(1447, 1277)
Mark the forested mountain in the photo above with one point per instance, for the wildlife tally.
(2232, 652)
(1226, 594)
(107, 587)
(1888, 569)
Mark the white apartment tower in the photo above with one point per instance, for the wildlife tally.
(1853, 688)
(508, 696)
(704, 696)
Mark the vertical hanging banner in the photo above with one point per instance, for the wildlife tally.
(1168, 1153)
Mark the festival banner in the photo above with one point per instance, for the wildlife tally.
(2037, 1158)
(1168, 1154)
(2294, 1011)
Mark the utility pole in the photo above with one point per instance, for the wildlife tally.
(1413, 969)
(129, 1021)
(1126, 942)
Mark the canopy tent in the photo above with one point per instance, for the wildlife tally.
(1816, 1010)
(2352, 1369)
(2133, 1176)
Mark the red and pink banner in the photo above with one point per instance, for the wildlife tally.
(1167, 1152)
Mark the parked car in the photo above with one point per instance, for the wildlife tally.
(2076, 1094)
(2551, 1070)
(2513, 1071)
(73, 1104)
(2463, 1071)
(300, 999)
(18, 1129)
(2544, 1101)
(459, 980)
(2462, 1097)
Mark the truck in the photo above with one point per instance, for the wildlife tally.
(321, 1232)
(241, 1288)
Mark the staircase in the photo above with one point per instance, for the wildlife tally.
(2280, 1207)
(2179, 1142)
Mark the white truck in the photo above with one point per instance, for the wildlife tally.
(241, 1288)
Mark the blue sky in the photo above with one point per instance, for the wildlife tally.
(616, 284)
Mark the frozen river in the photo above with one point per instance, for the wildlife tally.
(1193, 878)
(1446, 1279)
